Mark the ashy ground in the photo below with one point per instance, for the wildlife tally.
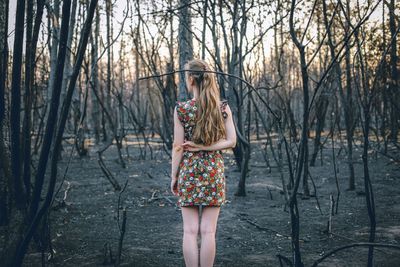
(251, 231)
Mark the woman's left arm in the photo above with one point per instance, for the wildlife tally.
(224, 143)
(177, 151)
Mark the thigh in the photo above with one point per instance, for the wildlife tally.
(209, 219)
(190, 216)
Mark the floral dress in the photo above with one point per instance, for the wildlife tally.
(201, 179)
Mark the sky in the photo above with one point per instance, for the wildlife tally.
(118, 11)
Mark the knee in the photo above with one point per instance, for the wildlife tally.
(191, 229)
(207, 229)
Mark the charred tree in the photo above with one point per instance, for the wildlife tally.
(15, 116)
(185, 44)
(5, 171)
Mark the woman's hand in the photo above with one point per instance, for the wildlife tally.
(191, 146)
(174, 186)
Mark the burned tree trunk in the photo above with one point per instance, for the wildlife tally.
(5, 175)
(185, 44)
(15, 116)
(394, 84)
(52, 117)
(302, 161)
(347, 112)
(95, 111)
(23, 245)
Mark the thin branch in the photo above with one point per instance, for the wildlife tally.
(360, 244)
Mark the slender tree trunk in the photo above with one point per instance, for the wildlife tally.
(109, 60)
(95, 78)
(321, 109)
(347, 112)
(349, 116)
(15, 116)
(203, 35)
(185, 44)
(55, 28)
(366, 105)
(5, 171)
(302, 160)
(395, 77)
(68, 66)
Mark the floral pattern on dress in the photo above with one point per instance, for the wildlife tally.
(201, 178)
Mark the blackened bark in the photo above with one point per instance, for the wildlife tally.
(52, 117)
(394, 84)
(15, 116)
(64, 111)
(294, 212)
(347, 113)
(5, 175)
(185, 44)
(349, 116)
(321, 109)
(26, 145)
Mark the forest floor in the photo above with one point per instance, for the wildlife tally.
(251, 230)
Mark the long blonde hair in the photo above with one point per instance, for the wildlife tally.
(209, 126)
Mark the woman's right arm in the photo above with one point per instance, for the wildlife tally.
(177, 152)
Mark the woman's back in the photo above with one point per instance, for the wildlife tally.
(187, 115)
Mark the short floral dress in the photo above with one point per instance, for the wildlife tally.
(201, 179)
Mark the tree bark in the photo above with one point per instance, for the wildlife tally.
(347, 112)
(15, 116)
(5, 172)
(394, 84)
(95, 77)
(302, 160)
(185, 44)
(55, 29)
(63, 116)
(52, 117)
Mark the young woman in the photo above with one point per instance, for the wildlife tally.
(203, 127)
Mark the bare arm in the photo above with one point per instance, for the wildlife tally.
(223, 143)
(177, 150)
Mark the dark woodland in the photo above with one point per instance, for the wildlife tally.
(87, 94)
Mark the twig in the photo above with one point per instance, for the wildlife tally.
(62, 182)
(315, 193)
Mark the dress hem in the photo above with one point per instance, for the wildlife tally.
(196, 205)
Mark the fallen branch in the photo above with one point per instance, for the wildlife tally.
(361, 244)
(259, 227)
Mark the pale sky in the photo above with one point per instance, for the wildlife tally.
(118, 11)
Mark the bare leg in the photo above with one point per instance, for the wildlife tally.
(208, 227)
(190, 249)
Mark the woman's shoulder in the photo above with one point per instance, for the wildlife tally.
(185, 109)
